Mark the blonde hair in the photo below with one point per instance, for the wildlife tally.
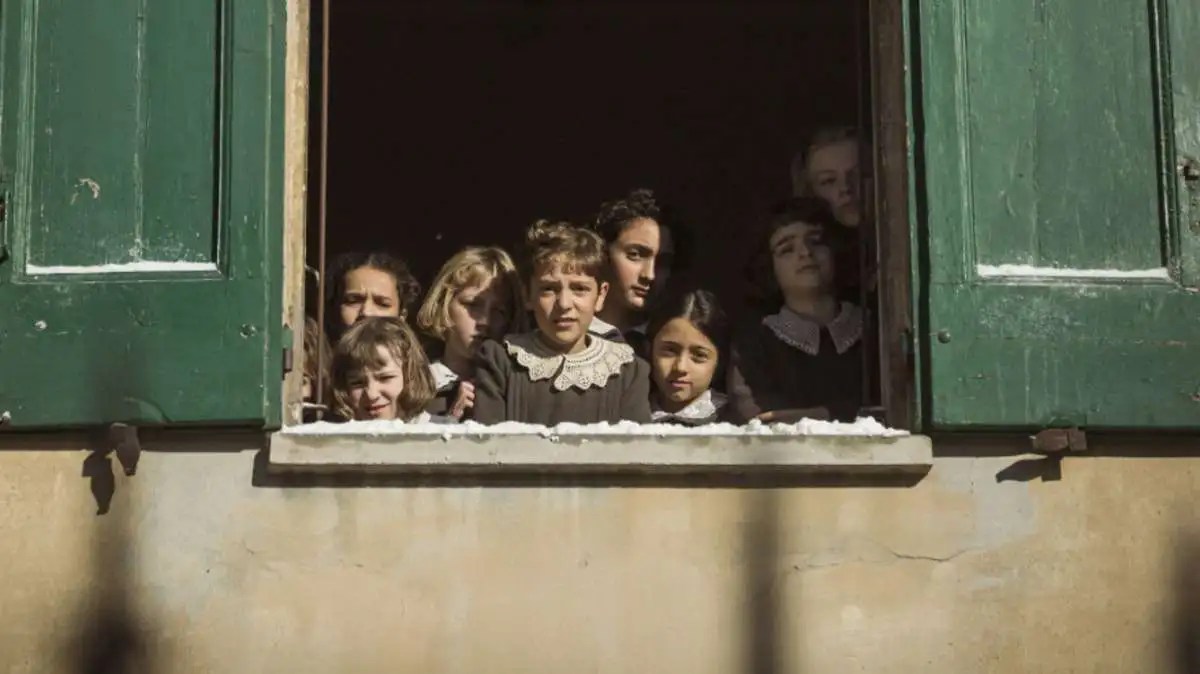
(576, 248)
(470, 267)
(358, 350)
(823, 137)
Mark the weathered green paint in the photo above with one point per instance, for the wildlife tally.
(1051, 136)
(143, 131)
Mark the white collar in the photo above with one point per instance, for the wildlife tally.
(592, 367)
(705, 406)
(804, 333)
(602, 328)
(443, 377)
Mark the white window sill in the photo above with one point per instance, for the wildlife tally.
(425, 449)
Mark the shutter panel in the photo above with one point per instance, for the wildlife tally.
(141, 162)
(1060, 223)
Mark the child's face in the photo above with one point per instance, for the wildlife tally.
(833, 175)
(477, 313)
(376, 391)
(367, 291)
(632, 263)
(682, 360)
(563, 305)
(802, 260)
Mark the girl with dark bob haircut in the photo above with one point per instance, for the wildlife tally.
(804, 357)
(689, 336)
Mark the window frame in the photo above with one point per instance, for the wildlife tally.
(889, 88)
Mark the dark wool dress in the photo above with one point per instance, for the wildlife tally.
(520, 379)
(785, 362)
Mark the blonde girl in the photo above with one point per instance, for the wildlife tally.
(828, 168)
(380, 371)
(475, 296)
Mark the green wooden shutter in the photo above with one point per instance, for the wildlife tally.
(1061, 268)
(141, 159)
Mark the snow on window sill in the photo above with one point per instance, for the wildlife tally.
(421, 448)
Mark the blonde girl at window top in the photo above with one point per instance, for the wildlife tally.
(829, 169)
(475, 296)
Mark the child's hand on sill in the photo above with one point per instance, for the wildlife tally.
(464, 400)
(793, 415)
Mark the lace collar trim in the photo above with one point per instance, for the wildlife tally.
(590, 368)
(706, 406)
(804, 333)
(443, 377)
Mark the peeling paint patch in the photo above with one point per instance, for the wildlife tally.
(91, 185)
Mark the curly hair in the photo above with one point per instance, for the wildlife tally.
(577, 249)
(358, 350)
(472, 266)
(614, 216)
(823, 137)
(407, 287)
(759, 270)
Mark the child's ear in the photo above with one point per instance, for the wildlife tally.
(603, 293)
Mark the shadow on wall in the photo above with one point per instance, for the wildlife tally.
(763, 617)
(1186, 618)
(110, 637)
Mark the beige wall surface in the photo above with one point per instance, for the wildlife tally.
(202, 563)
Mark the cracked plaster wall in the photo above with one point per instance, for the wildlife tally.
(956, 573)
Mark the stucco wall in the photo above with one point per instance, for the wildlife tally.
(199, 565)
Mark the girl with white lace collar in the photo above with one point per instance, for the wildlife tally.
(689, 332)
(559, 372)
(474, 297)
(805, 359)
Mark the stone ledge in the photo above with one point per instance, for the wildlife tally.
(426, 454)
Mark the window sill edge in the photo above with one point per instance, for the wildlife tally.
(810, 454)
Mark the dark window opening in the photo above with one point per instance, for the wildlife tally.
(459, 123)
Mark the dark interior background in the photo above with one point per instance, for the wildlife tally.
(456, 123)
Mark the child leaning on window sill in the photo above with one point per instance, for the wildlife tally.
(805, 359)
(559, 372)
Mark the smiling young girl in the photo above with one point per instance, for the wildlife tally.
(688, 337)
(476, 296)
(560, 372)
(640, 255)
(805, 359)
(380, 372)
